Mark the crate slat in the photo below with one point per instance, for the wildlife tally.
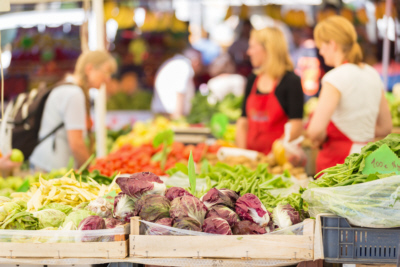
(65, 250)
(299, 247)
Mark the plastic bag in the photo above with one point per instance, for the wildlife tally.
(373, 204)
(149, 228)
(289, 151)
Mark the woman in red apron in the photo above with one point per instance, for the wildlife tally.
(273, 95)
(352, 109)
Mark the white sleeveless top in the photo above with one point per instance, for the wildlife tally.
(361, 92)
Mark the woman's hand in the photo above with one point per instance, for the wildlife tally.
(327, 103)
(7, 165)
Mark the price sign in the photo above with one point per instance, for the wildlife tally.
(383, 160)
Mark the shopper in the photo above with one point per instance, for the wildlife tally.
(225, 80)
(68, 105)
(352, 109)
(174, 86)
(273, 94)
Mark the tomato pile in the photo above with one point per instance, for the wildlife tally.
(129, 159)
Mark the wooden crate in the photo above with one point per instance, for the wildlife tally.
(285, 247)
(117, 249)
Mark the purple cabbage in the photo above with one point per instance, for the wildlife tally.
(223, 212)
(160, 230)
(93, 222)
(250, 208)
(124, 207)
(175, 192)
(216, 197)
(188, 206)
(285, 216)
(216, 225)
(112, 223)
(141, 183)
(247, 228)
(152, 208)
(233, 195)
(187, 223)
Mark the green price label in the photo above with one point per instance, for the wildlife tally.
(383, 160)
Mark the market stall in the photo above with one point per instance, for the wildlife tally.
(180, 193)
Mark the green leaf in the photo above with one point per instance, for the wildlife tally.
(205, 166)
(86, 164)
(24, 186)
(191, 174)
(166, 136)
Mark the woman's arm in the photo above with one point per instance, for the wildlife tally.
(179, 109)
(296, 129)
(384, 122)
(241, 132)
(78, 146)
(327, 103)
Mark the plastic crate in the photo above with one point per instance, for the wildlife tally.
(344, 243)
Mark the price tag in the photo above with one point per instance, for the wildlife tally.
(383, 160)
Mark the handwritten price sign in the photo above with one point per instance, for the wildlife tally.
(383, 160)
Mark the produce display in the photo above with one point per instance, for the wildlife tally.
(394, 105)
(143, 133)
(205, 106)
(273, 166)
(129, 159)
(216, 212)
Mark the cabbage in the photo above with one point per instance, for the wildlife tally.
(285, 216)
(92, 223)
(21, 203)
(76, 217)
(4, 199)
(57, 206)
(123, 207)
(159, 230)
(101, 207)
(81, 206)
(112, 223)
(216, 225)
(216, 197)
(247, 228)
(233, 195)
(175, 192)
(250, 208)
(22, 220)
(220, 211)
(152, 207)
(140, 184)
(7, 208)
(50, 218)
(187, 223)
(188, 206)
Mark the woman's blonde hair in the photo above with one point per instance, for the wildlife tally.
(343, 33)
(278, 59)
(96, 59)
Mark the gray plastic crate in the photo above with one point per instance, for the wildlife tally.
(344, 243)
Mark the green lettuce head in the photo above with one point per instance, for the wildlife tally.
(4, 199)
(50, 218)
(22, 220)
(21, 203)
(57, 206)
(8, 208)
(76, 217)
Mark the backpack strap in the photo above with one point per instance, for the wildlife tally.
(51, 133)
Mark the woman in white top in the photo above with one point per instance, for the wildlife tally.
(68, 105)
(352, 109)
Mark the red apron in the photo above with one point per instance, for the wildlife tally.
(266, 120)
(334, 150)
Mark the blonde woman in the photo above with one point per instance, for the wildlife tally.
(67, 113)
(273, 95)
(352, 109)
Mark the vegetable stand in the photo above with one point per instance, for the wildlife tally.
(277, 247)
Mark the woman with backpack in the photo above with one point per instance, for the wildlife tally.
(66, 113)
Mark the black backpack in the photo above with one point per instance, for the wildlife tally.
(26, 118)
